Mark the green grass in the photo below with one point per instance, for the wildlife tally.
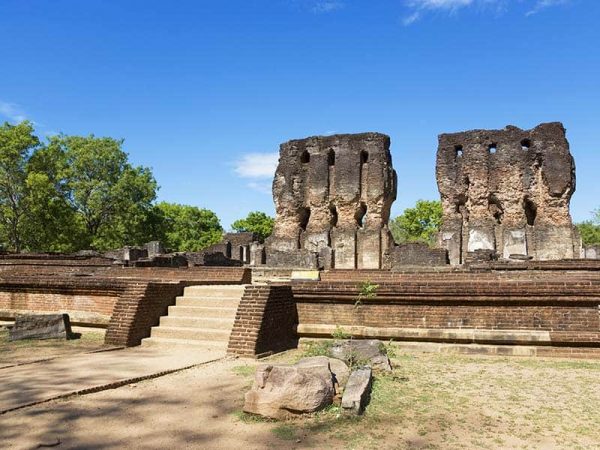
(450, 401)
(244, 371)
(285, 431)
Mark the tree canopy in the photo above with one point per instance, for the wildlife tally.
(418, 224)
(81, 192)
(256, 222)
(188, 228)
(590, 230)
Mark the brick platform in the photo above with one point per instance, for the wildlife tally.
(526, 307)
(128, 301)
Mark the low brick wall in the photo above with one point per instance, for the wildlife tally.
(126, 301)
(265, 321)
(138, 309)
(534, 307)
(88, 302)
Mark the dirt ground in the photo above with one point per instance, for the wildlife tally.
(429, 401)
(19, 352)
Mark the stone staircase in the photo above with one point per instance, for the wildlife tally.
(203, 317)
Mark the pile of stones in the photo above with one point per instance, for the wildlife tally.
(343, 377)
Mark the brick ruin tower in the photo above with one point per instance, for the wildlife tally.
(507, 192)
(333, 196)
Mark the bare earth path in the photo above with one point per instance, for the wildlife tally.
(40, 381)
(429, 401)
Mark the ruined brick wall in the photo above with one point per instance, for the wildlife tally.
(139, 308)
(88, 302)
(127, 300)
(417, 254)
(508, 191)
(527, 307)
(332, 198)
(265, 321)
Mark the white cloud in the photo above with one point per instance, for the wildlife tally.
(257, 165)
(543, 4)
(408, 20)
(418, 8)
(12, 112)
(325, 6)
(439, 4)
(262, 187)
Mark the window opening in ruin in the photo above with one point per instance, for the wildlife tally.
(530, 211)
(331, 158)
(333, 221)
(525, 144)
(364, 157)
(361, 214)
(305, 158)
(304, 218)
(495, 207)
(492, 148)
(458, 151)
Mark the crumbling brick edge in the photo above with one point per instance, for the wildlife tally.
(265, 321)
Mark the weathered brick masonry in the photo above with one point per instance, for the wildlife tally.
(127, 300)
(519, 307)
(265, 321)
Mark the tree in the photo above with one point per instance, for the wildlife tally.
(188, 228)
(52, 224)
(590, 230)
(418, 224)
(16, 144)
(111, 197)
(256, 222)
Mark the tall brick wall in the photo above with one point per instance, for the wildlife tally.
(265, 321)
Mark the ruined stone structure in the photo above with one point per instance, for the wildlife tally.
(332, 197)
(507, 192)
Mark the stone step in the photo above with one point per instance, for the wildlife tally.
(210, 302)
(203, 334)
(195, 343)
(235, 290)
(197, 322)
(202, 311)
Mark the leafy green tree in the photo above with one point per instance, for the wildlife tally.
(418, 224)
(52, 224)
(16, 144)
(111, 198)
(256, 222)
(188, 228)
(590, 230)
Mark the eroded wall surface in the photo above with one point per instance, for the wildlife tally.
(508, 191)
(333, 196)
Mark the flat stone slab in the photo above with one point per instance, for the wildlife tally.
(357, 392)
(40, 326)
(46, 380)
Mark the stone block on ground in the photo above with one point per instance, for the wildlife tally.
(283, 391)
(358, 391)
(338, 368)
(369, 352)
(41, 326)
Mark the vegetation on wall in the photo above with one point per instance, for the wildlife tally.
(256, 222)
(81, 192)
(418, 224)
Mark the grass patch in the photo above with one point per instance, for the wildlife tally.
(285, 432)
(449, 401)
(244, 371)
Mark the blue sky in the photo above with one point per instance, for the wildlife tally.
(205, 91)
